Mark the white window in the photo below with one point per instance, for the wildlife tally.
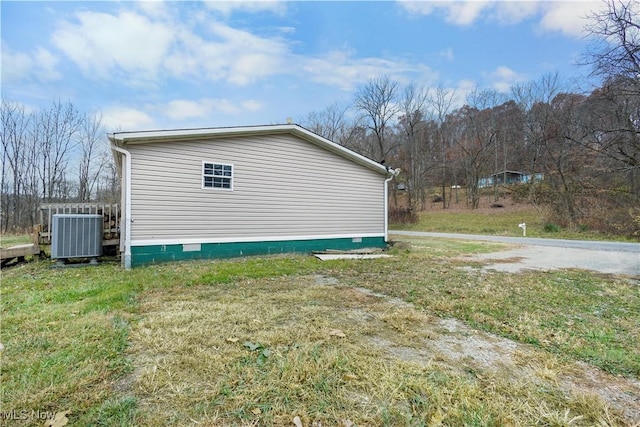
(217, 175)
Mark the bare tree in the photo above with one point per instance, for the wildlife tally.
(37, 150)
(56, 132)
(108, 185)
(553, 136)
(565, 163)
(93, 158)
(332, 123)
(487, 131)
(413, 128)
(441, 102)
(328, 123)
(615, 35)
(614, 125)
(15, 164)
(529, 96)
(475, 143)
(614, 55)
(377, 101)
(509, 119)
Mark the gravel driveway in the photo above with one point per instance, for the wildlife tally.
(551, 254)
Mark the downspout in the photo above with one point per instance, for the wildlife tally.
(393, 173)
(127, 207)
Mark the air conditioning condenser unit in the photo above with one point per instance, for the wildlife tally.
(76, 236)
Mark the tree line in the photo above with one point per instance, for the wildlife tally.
(586, 144)
(53, 155)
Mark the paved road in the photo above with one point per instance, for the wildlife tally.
(547, 254)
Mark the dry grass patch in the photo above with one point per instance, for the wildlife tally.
(261, 352)
(259, 341)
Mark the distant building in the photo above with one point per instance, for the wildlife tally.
(509, 178)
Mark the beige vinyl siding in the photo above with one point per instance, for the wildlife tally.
(282, 186)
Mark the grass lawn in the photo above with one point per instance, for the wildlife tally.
(498, 222)
(7, 240)
(261, 341)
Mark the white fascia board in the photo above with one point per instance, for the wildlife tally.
(152, 242)
(143, 137)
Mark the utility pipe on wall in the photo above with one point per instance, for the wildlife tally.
(393, 174)
(127, 205)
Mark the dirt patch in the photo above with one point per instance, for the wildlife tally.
(320, 279)
(452, 342)
(621, 393)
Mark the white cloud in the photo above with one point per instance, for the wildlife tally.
(563, 16)
(229, 6)
(503, 78)
(179, 113)
(462, 91)
(232, 55)
(447, 54)
(100, 43)
(226, 106)
(418, 7)
(141, 49)
(184, 58)
(248, 57)
(456, 12)
(183, 109)
(287, 30)
(241, 58)
(567, 17)
(117, 118)
(15, 65)
(465, 13)
(38, 65)
(341, 69)
(466, 85)
(252, 105)
(156, 8)
(514, 12)
(108, 46)
(45, 63)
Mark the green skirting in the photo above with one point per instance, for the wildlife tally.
(141, 255)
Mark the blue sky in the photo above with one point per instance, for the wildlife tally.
(161, 65)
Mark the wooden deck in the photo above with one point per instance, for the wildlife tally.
(41, 235)
(111, 214)
(16, 254)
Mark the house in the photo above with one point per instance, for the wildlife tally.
(223, 192)
(509, 177)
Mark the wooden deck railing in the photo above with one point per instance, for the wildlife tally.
(110, 213)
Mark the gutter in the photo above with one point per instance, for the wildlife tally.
(127, 205)
(393, 173)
